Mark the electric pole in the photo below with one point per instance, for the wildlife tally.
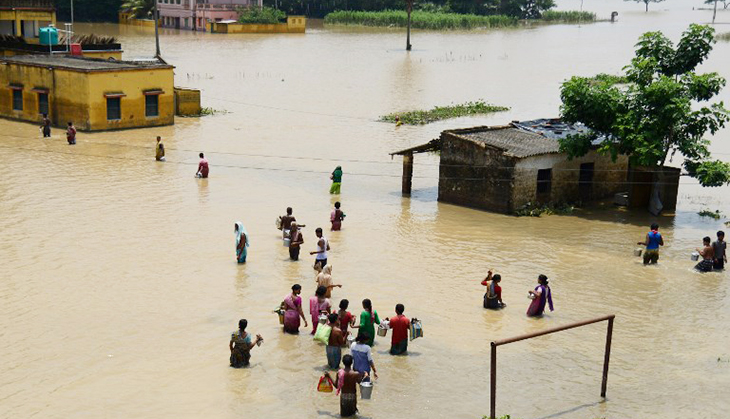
(157, 33)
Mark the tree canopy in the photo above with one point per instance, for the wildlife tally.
(646, 3)
(661, 109)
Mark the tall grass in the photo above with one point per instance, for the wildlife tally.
(419, 19)
(568, 16)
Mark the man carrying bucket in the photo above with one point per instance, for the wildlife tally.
(346, 383)
(400, 326)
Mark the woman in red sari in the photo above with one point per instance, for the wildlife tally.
(540, 296)
(292, 306)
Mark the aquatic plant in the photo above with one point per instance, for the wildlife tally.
(264, 15)
(568, 16)
(609, 79)
(534, 210)
(419, 19)
(438, 113)
(716, 215)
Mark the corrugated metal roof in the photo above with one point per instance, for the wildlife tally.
(513, 141)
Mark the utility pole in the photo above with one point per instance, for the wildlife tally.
(409, 6)
(72, 13)
(157, 33)
(714, 13)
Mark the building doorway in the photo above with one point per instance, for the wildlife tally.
(585, 181)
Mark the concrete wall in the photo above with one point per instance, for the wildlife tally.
(608, 178)
(294, 24)
(473, 175)
(30, 19)
(79, 96)
(187, 101)
(132, 84)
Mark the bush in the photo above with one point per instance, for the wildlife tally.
(264, 15)
(419, 19)
(438, 113)
(570, 16)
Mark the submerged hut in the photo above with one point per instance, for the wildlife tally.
(507, 167)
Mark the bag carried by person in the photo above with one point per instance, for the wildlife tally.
(325, 385)
(416, 329)
(323, 334)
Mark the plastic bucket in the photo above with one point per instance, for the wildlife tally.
(695, 256)
(637, 251)
(322, 319)
(366, 390)
(287, 242)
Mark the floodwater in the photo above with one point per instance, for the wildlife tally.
(119, 287)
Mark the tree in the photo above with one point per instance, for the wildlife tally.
(646, 2)
(140, 8)
(651, 116)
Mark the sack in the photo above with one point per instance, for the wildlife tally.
(323, 334)
(416, 329)
(325, 385)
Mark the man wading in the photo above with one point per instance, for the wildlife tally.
(322, 247)
(652, 242)
(346, 383)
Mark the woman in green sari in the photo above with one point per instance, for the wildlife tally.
(368, 319)
(336, 181)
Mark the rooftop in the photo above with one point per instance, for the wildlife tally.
(523, 139)
(80, 63)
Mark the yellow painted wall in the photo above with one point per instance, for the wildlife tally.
(132, 84)
(104, 55)
(187, 101)
(21, 15)
(294, 24)
(78, 96)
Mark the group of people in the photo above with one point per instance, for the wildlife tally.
(46, 130)
(713, 254)
(203, 166)
(541, 295)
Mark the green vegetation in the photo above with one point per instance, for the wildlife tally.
(568, 16)
(723, 37)
(204, 112)
(141, 9)
(419, 19)
(716, 215)
(665, 108)
(443, 112)
(534, 210)
(609, 79)
(265, 15)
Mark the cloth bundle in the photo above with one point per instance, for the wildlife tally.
(416, 329)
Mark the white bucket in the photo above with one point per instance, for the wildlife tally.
(322, 319)
(637, 251)
(695, 256)
(366, 390)
(351, 339)
(287, 242)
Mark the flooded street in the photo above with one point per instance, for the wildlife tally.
(119, 287)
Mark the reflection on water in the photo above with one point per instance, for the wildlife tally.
(107, 252)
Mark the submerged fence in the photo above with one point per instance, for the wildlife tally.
(496, 343)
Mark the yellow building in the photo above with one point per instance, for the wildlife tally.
(24, 18)
(294, 24)
(94, 94)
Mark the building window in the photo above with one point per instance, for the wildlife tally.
(43, 103)
(151, 106)
(113, 108)
(186, 22)
(178, 1)
(544, 180)
(17, 100)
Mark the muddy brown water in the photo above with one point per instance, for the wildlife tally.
(119, 287)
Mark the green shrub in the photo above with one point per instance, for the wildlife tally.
(256, 15)
(419, 19)
(568, 16)
(438, 113)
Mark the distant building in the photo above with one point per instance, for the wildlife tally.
(95, 94)
(24, 18)
(195, 14)
(503, 168)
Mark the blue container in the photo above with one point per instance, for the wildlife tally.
(48, 36)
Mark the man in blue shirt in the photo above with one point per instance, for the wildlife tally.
(652, 242)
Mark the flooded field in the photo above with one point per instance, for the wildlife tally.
(119, 287)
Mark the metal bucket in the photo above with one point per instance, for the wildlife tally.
(322, 319)
(366, 390)
(637, 251)
(382, 331)
(350, 340)
(287, 242)
(695, 256)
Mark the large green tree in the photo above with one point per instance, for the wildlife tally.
(660, 108)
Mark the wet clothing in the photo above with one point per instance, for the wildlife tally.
(720, 247)
(240, 356)
(315, 308)
(203, 168)
(367, 324)
(362, 356)
(399, 325)
(336, 219)
(46, 127)
(654, 238)
(160, 152)
(345, 320)
(334, 356)
(651, 256)
(537, 307)
(291, 314)
(295, 242)
(71, 135)
(336, 181)
(241, 253)
(705, 265)
(321, 258)
(348, 404)
(492, 296)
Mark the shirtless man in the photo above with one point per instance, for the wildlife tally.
(337, 340)
(286, 221)
(346, 383)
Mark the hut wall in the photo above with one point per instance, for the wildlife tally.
(568, 184)
(473, 175)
